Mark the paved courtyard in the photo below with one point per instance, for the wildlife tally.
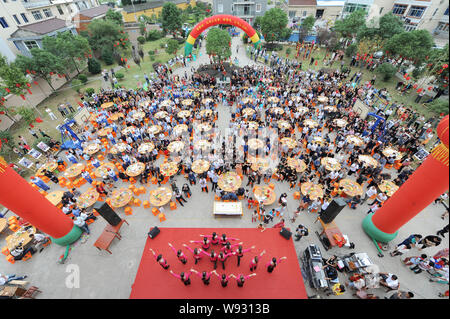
(102, 275)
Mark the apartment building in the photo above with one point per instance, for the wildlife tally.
(247, 10)
(23, 21)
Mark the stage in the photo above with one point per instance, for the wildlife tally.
(154, 282)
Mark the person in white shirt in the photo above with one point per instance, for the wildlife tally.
(4, 279)
(80, 222)
(369, 193)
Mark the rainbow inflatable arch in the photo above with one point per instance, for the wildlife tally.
(220, 19)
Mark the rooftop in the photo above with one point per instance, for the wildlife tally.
(96, 11)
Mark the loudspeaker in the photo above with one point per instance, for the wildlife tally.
(154, 232)
(107, 213)
(333, 210)
(285, 233)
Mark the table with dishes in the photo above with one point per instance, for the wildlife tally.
(204, 127)
(351, 188)
(289, 142)
(118, 148)
(116, 116)
(102, 170)
(391, 152)
(285, 125)
(200, 166)
(180, 128)
(175, 146)
(368, 160)
(88, 198)
(255, 143)
(135, 169)
(258, 163)
(105, 131)
(314, 191)
(355, 140)
(168, 168)
(206, 113)
(129, 129)
(204, 145)
(49, 166)
(264, 194)
(120, 197)
(154, 129)
(107, 105)
(184, 114)
(388, 186)
(331, 163)
(297, 164)
(55, 197)
(161, 115)
(248, 111)
(74, 170)
(139, 115)
(91, 149)
(310, 123)
(187, 102)
(21, 236)
(277, 110)
(146, 147)
(273, 99)
(229, 181)
(302, 110)
(160, 196)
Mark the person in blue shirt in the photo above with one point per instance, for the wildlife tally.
(40, 183)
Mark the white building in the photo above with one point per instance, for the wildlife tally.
(15, 14)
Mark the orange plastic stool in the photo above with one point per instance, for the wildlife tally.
(297, 195)
(5, 251)
(142, 190)
(173, 205)
(10, 258)
(146, 204)
(137, 202)
(155, 211)
(49, 241)
(132, 180)
(136, 191)
(14, 227)
(128, 211)
(154, 181)
(162, 217)
(27, 256)
(100, 157)
(12, 220)
(272, 186)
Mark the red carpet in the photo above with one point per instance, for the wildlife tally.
(285, 282)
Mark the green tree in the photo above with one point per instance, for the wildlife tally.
(12, 79)
(94, 66)
(43, 62)
(27, 114)
(350, 25)
(439, 106)
(107, 35)
(387, 70)
(218, 44)
(413, 45)
(308, 23)
(172, 46)
(257, 23)
(388, 26)
(114, 16)
(273, 24)
(437, 65)
(171, 18)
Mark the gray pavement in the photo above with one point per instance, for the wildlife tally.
(102, 275)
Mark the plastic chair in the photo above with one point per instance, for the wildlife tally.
(12, 220)
(137, 202)
(14, 227)
(155, 211)
(128, 210)
(272, 186)
(146, 204)
(27, 256)
(297, 195)
(136, 191)
(100, 157)
(5, 251)
(173, 206)
(162, 217)
(142, 190)
(10, 258)
(49, 241)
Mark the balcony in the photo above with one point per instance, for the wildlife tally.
(31, 4)
(244, 13)
(444, 19)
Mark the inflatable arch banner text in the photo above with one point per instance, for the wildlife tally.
(220, 19)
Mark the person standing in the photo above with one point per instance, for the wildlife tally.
(223, 279)
(204, 276)
(240, 253)
(196, 252)
(255, 260)
(205, 243)
(240, 279)
(86, 176)
(180, 255)
(273, 263)
(203, 184)
(32, 132)
(80, 222)
(40, 183)
(300, 232)
(223, 257)
(51, 114)
(184, 277)
(212, 257)
(160, 260)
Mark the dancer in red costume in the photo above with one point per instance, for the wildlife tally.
(228, 247)
(205, 243)
(273, 263)
(223, 240)
(254, 261)
(180, 255)
(240, 279)
(213, 257)
(196, 252)
(160, 260)
(223, 279)
(184, 277)
(222, 257)
(214, 238)
(204, 276)
(240, 253)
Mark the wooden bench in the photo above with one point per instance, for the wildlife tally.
(105, 240)
(116, 229)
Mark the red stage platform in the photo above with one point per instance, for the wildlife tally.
(285, 282)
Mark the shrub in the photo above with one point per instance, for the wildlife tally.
(83, 78)
(152, 58)
(387, 70)
(151, 52)
(172, 46)
(90, 91)
(119, 76)
(162, 45)
(141, 39)
(439, 106)
(288, 51)
(154, 35)
(351, 50)
(345, 69)
(76, 85)
(27, 114)
(94, 66)
(107, 57)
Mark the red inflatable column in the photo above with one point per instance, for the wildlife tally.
(25, 201)
(427, 183)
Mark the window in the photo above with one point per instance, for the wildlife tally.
(319, 13)
(292, 14)
(37, 15)
(409, 27)
(15, 18)
(350, 7)
(30, 44)
(3, 23)
(304, 13)
(60, 10)
(24, 17)
(446, 12)
(443, 27)
(258, 7)
(220, 8)
(399, 9)
(48, 13)
(416, 11)
(381, 9)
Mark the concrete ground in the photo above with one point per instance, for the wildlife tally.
(89, 273)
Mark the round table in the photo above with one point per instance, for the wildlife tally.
(207, 100)
(184, 114)
(340, 122)
(258, 163)
(187, 102)
(318, 140)
(154, 129)
(128, 130)
(107, 105)
(88, 198)
(3, 224)
(369, 160)
(206, 113)
(160, 196)
(168, 168)
(322, 99)
(49, 166)
(264, 194)
(355, 140)
(253, 125)
(74, 170)
(229, 182)
(302, 110)
(161, 115)
(276, 110)
(118, 148)
(138, 115)
(389, 151)
(310, 123)
(389, 187)
(202, 144)
(180, 128)
(312, 190)
(102, 169)
(351, 188)
(255, 143)
(331, 163)
(20, 237)
(91, 149)
(297, 164)
(55, 197)
(204, 127)
(330, 108)
(146, 148)
(273, 99)
(289, 142)
(247, 100)
(120, 197)
(248, 111)
(105, 131)
(116, 116)
(200, 166)
(285, 125)
(166, 103)
(175, 146)
(135, 169)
